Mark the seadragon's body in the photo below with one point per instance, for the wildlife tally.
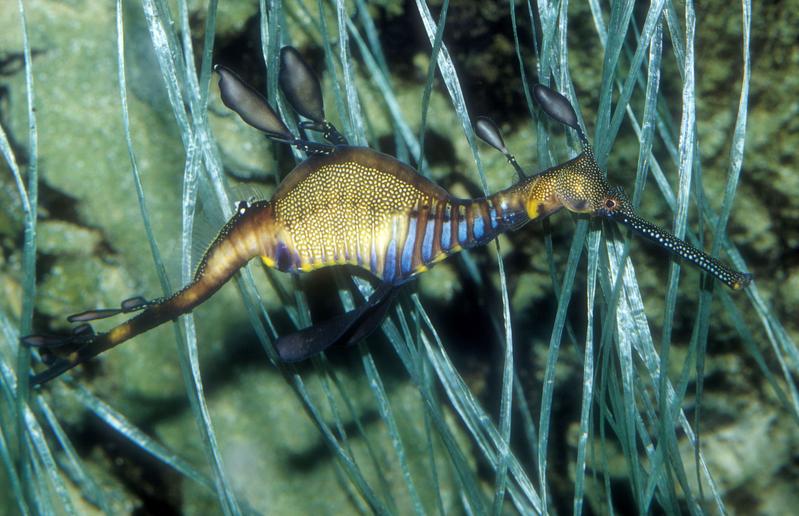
(356, 206)
(360, 207)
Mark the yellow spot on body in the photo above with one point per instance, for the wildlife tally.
(120, 333)
(269, 262)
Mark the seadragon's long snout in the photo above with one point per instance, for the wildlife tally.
(617, 208)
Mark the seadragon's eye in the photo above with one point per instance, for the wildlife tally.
(611, 204)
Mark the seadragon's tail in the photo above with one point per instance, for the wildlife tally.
(249, 233)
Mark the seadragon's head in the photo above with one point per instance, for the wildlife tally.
(581, 187)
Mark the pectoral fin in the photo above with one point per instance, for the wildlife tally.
(347, 328)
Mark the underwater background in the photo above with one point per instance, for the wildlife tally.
(518, 378)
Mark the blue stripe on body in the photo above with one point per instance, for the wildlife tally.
(390, 267)
(478, 227)
(284, 258)
(373, 258)
(446, 235)
(407, 251)
(427, 243)
(492, 214)
(462, 227)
